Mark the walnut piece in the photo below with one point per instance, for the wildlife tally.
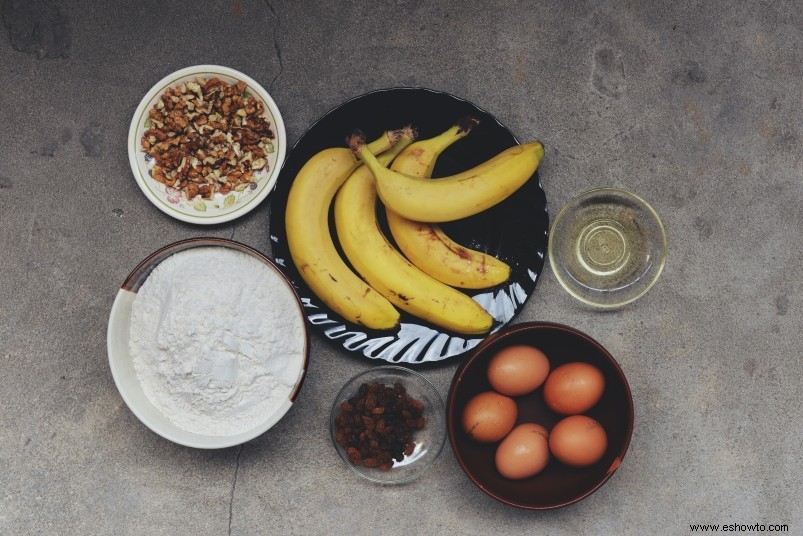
(207, 137)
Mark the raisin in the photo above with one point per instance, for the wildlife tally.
(376, 426)
(354, 455)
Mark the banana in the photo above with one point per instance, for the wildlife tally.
(388, 271)
(310, 242)
(418, 160)
(425, 244)
(458, 196)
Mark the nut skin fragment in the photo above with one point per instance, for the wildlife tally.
(156, 133)
(192, 190)
(207, 137)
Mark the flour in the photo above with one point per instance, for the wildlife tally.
(215, 339)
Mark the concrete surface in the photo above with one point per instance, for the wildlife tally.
(695, 105)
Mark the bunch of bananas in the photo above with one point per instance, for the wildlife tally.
(423, 275)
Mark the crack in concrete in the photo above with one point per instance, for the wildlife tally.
(234, 486)
(276, 46)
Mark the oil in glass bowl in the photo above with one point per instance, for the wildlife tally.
(607, 247)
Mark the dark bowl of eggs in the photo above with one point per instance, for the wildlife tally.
(539, 415)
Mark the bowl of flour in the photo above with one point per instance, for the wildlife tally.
(207, 343)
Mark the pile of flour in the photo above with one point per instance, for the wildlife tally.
(216, 340)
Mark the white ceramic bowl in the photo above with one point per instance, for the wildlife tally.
(221, 208)
(122, 364)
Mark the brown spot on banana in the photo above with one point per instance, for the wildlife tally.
(417, 153)
(455, 248)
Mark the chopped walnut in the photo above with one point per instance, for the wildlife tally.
(208, 136)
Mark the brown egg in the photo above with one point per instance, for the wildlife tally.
(573, 388)
(489, 416)
(524, 452)
(578, 441)
(518, 370)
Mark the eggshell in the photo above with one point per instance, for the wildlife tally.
(518, 370)
(574, 388)
(489, 416)
(524, 452)
(578, 441)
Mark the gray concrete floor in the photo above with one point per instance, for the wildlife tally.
(695, 105)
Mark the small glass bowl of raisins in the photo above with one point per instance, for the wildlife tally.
(388, 424)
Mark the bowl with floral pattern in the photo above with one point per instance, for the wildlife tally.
(206, 144)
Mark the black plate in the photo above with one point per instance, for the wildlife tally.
(514, 230)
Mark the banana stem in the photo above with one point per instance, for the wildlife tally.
(467, 123)
(404, 137)
(384, 142)
(388, 156)
(364, 152)
(389, 139)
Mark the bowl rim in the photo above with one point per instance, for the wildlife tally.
(277, 123)
(131, 285)
(413, 374)
(591, 193)
(451, 425)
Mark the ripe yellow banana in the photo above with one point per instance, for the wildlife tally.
(458, 196)
(425, 244)
(310, 241)
(388, 271)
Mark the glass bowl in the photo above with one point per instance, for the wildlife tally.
(607, 247)
(427, 442)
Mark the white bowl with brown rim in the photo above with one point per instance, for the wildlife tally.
(122, 363)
